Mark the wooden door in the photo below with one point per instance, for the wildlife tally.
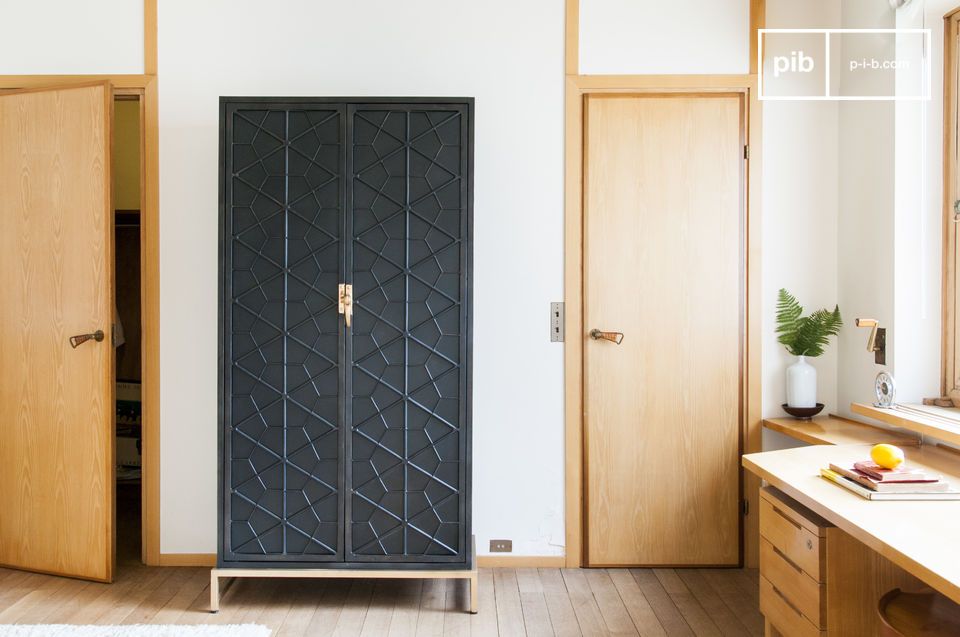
(663, 264)
(56, 276)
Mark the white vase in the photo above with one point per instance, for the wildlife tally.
(801, 384)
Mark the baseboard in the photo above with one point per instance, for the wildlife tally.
(521, 561)
(188, 559)
(483, 561)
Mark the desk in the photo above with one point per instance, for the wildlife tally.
(923, 538)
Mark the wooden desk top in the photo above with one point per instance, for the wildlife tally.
(921, 537)
(834, 430)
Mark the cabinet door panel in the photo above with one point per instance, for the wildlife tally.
(283, 256)
(409, 227)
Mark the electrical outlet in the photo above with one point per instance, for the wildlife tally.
(556, 322)
(501, 546)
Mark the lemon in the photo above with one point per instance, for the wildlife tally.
(887, 456)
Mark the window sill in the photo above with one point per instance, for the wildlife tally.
(917, 418)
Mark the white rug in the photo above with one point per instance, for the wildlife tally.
(138, 630)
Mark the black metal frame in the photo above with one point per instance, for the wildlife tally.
(342, 559)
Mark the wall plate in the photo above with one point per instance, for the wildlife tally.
(501, 546)
(556, 322)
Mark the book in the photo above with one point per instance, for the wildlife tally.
(918, 486)
(900, 474)
(869, 494)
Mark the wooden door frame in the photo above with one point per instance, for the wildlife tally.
(577, 88)
(145, 86)
(949, 332)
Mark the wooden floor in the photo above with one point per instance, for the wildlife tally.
(546, 601)
(512, 602)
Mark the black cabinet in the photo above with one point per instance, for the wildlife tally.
(345, 445)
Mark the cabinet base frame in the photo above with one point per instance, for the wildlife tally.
(231, 574)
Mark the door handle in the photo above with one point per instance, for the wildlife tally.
(79, 339)
(613, 337)
(345, 303)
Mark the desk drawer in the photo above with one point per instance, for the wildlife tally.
(797, 587)
(793, 535)
(783, 614)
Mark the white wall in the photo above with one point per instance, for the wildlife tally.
(664, 36)
(800, 207)
(378, 47)
(866, 219)
(92, 36)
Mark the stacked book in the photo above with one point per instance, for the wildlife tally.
(873, 482)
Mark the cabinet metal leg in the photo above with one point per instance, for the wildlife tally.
(214, 591)
(474, 593)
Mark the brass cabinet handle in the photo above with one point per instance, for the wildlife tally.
(613, 337)
(79, 339)
(345, 304)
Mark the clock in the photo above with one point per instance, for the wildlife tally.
(885, 388)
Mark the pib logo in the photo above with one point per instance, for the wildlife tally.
(796, 62)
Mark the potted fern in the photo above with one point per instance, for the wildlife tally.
(804, 336)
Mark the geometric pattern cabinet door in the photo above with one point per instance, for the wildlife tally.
(409, 228)
(282, 374)
(345, 446)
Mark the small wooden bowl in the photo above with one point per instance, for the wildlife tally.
(803, 413)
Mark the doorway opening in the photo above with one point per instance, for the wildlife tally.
(129, 368)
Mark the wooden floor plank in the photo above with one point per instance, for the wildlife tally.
(433, 600)
(509, 609)
(303, 604)
(33, 601)
(354, 612)
(739, 603)
(641, 612)
(456, 617)
(528, 580)
(562, 616)
(234, 601)
(65, 607)
(536, 616)
(277, 607)
(546, 601)
(405, 616)
(694, 614)
(484, 623)
(150, 604)
(325, 619)
(661, 602)
(71, 589)
(614, 613)
(259, 596)
(197, 580)
(111, 608)
(584, 604)
(719, 613)
(748, 579)
(383, 603)
(17, 585)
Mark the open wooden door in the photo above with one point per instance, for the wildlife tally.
(56, 280)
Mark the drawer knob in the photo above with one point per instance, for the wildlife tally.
(809, 544)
